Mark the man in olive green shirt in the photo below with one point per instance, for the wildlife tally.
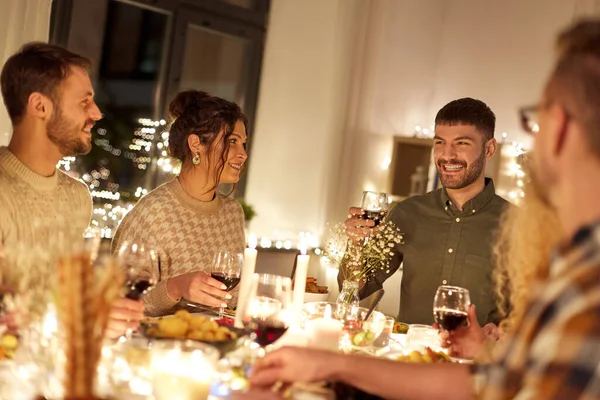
(449, 232)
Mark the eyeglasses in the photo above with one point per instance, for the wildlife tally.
(529, 118)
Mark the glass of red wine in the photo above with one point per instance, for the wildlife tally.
(227, 268)
(268, 310)
(375, 206)
(141, 263)
(450, 307)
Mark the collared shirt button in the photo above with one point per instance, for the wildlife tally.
(457, 219)
(450, 202)
(473, 211)
(444, 282)
(450, 250)
(446, 208)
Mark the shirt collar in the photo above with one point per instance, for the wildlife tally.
(476, 203)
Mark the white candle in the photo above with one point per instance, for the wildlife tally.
(246, 280)
(300, 280)
(324, 333)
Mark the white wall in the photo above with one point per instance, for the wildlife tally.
(298, 132)
(21, 21)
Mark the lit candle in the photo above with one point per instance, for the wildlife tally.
(300, 280)
(246, 280)
(324, 333)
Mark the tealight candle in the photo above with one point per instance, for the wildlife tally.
(324, 333)
(183, 373)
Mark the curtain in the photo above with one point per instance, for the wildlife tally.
(21, 21)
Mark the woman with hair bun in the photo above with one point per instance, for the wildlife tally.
(188, 217)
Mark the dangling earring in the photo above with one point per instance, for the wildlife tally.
(196, 159)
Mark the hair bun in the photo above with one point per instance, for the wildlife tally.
(186, 101)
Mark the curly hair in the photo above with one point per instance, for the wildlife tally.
(526, 236)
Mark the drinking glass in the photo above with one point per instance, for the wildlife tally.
(269, 309)
(451, 306)
(375, 206)
(227, 268)
(141, 263)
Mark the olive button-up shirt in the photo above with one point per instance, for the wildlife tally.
(444, 246)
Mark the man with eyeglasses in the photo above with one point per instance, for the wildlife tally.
(555, 350)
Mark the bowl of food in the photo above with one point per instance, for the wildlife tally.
(185, 326)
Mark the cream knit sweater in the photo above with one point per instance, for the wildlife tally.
(34, 209)
(189, 231)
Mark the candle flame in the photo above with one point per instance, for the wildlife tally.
(327, 314)
(252, 241)
(302, 247)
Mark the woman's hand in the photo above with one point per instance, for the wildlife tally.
(199, 288)
(466, 341)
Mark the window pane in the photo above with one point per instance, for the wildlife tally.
(242, 3)
(126, 84)
(215, 62)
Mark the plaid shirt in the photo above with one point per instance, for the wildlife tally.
(555, 354)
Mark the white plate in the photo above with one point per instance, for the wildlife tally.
(313, 297)
(398, 338)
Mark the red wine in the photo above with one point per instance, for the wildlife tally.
(266, 331)
(227, 280)
(375, 216)
(137, 288)
(450, 320)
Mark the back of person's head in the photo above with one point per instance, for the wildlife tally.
(468, 111)
(36, 67)
(575, 81)
(194, 112)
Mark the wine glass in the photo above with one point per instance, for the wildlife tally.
(375, 206)
(141, 263)
(268, 310)
(451, 306)
(227, 267)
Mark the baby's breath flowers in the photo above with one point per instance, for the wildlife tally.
(359, 259)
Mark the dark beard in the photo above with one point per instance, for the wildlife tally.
(66, 136)
(473, 172)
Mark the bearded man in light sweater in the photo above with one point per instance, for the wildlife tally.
(50, 101)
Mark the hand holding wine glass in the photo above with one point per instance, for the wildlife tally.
(227, 267)
(375, 206)
(269, 309)
(451, 307)
(141, 264)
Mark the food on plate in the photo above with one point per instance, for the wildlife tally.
(400, 327)
(183, 325)
(359, 333)
(429, 356)
(312, 287)
(8, 345)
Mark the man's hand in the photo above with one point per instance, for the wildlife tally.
(294, 364)
(125, 315)
(358, 228)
